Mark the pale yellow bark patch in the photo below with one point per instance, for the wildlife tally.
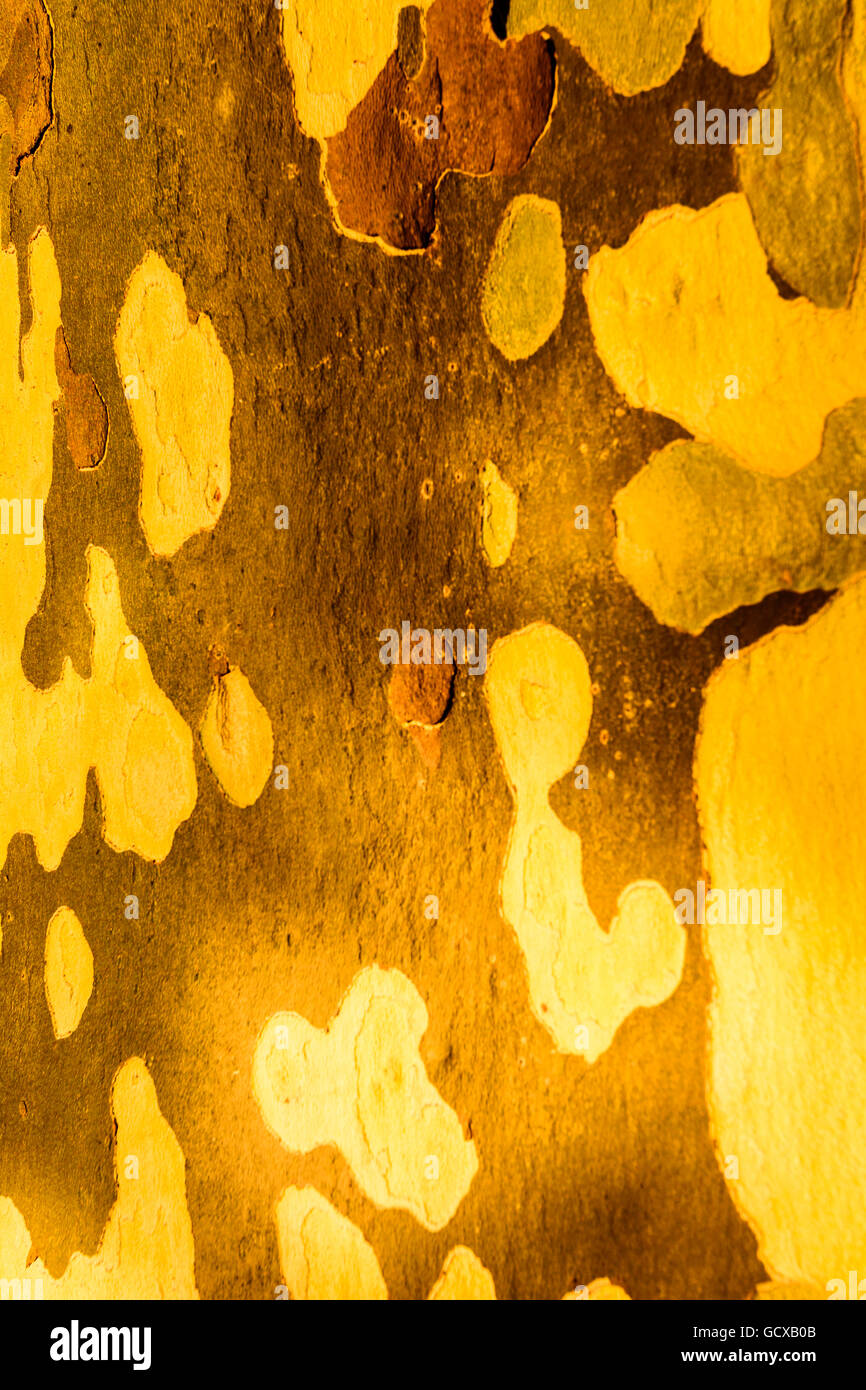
(463, 1278)
(119, 721)
(68, 971)
(323, 1255)
(523, 294)
(238, 738)
(360, 1085)
(583, 981)
(687, 304)
(780, 772)
(180, 391)
(498, 515)
(147, 1248)
(335, 52)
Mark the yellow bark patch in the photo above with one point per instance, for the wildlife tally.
(523, 294)
(68, 971)
(583, 981)
(689, 324)
(736, 33)
(180, 391)
(498, 515)
(26, 409)
(599, 1291)
(147, 1248)
(463, 1279)
(238, 738)
(360, 1085)
(335, 52)
(323, 1255)
(639, 44)
(119, 721)
(789, 1293)
(780, 771)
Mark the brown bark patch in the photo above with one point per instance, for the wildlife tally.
(491, 99)
(26, 71)
(84, 412)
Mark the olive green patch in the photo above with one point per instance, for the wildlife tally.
(698, 536)
(523, 295)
